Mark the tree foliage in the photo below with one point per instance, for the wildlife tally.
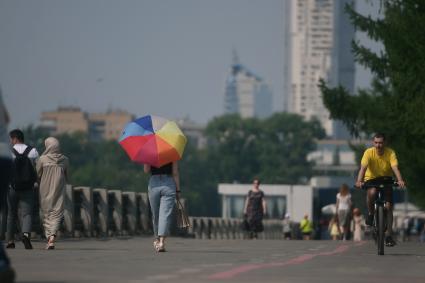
(395, 102)
(273, 149)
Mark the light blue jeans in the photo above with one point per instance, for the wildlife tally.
(162, 198)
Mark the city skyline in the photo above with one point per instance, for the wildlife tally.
(167, 58)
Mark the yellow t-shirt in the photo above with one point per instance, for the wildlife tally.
(378, 165)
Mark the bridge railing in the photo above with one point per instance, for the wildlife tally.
(99, 212)
(220, 228)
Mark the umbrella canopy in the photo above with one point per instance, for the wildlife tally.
(153, 140)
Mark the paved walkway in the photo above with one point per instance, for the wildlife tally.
(133, 260)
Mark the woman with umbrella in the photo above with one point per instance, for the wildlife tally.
(157, 143)
(164, 187)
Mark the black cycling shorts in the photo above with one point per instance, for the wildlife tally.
(388, 191)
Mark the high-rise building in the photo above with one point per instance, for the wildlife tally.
(246, 93)
(318, 35)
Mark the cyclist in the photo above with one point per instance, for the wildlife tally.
(379, 161)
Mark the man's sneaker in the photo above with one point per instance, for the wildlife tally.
(27, 242)
(369, 220)
(10, 246)
(389, 242)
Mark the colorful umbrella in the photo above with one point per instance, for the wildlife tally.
(153, 140)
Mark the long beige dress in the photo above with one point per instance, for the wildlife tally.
(52, 169)
(358, 233)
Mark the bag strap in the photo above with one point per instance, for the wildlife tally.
(27, 150)
(15, 152)
(179, 204)
(25, 153)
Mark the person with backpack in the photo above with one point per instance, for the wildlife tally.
(21, 192)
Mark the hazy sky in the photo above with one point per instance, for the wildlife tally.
(166, 57)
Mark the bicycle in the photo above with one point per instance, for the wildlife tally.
(379, 218)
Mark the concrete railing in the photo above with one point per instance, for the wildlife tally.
(99, 212)
(220, 228)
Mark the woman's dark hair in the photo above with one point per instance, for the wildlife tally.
(17, 134)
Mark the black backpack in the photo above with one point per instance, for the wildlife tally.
(23, 173)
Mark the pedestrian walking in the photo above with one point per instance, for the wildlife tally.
(255, 208)
(306, 227)
(358, 225)
(287, 227)
(334, 229)
(52, 171)
(407, 228)
(21, 192)
(343, 208)
(422, 234)
(164, 187)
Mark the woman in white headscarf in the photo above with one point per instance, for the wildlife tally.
(52, 170)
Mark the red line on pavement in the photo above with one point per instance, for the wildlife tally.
(298, 260)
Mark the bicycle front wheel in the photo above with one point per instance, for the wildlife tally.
(381, 229)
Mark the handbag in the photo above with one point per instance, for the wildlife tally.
(182, 218)
(245, 223)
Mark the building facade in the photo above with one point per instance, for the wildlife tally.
(318, 38)
(334, 157)
(297, 200)
(67, 120)
(246, 94)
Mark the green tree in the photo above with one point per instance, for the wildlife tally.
(274, 149)
(198, 182)
(232, 154)
(283, 147)
(395, 102)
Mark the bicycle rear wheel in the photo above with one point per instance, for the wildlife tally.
(381, 229)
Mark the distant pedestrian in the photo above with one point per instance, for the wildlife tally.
(52, 170)
(21, 192)
(255, 208)
(287, 227)
(334, 229)
(422, 234)
(306, 227)
(164, 187)
(407, 227)
(343, 208)
(358, 225)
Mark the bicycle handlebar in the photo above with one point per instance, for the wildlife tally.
(393, 184)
